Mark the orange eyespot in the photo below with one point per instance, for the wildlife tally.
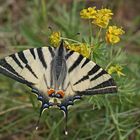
(61, 92)
(50, 91)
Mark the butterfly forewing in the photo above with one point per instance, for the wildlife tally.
(86, 77)
(31, 67)
(79, 80)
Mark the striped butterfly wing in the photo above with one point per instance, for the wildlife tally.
(86, 77)
(30, 67)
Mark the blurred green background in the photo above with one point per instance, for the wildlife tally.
(24, 24)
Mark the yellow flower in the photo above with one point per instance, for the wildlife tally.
(55, 38)
(102, 17)
(115, 30)
(88, 13)
(116, 69)
(113, 34)
(110, 38)
(80, 48)
(75, 47)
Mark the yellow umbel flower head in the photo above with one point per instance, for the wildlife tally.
(102, 17)
(88, 13)
(116, 69)
(115, 30)
(113, 34)
(55, 38)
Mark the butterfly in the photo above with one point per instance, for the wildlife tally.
(58, 76)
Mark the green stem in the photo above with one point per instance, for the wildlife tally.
(90, 39)
(111, 52)
(110, 57)
(91, 54)
(71, 40)
(99, 33)
(90, 32)
(44, 10)
(109, 64)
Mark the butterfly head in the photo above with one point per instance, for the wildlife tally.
(55, 96)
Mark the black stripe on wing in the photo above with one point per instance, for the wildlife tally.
(76, 63)
(23, 58)
(32, 52)
(99, 91)
(30, 69)
(8, 70)
(105, 87)
(99, 74)
(91, 72)
(94, 70)
(16, 60)
(82, 79)
(85, 62)
(108, 83)
(41, 57)
(51, 51)
(69, 54)
(8, 67)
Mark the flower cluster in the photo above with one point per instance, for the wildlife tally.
(55, 38)
(81, 48)
(102, 17)
(113, 34)
(99, 17)
(116, 69)
(88, 13)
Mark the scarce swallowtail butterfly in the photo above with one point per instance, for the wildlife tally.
(57, 76)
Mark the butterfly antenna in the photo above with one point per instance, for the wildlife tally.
(50, 28)
(78, 33)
